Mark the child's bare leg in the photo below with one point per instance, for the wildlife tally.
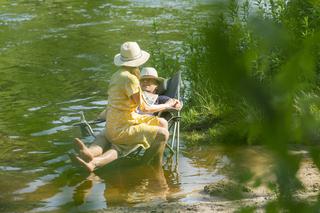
(96, 149)
(83, 150)
(99, 144)
(87, 166)
(163, 123)
(105, 158)
(100, 161)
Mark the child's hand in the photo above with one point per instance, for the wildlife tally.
(171, 103)
(174, 104)
(177, 104)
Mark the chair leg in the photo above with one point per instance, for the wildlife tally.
(178, 139)
(167, 145)
(89, 129)
(174, 145)
(174, 135)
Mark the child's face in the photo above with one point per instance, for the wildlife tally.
(149, 85)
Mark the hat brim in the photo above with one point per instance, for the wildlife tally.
(133, 63)
(152, 77)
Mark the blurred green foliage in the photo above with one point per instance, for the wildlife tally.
(253, 74)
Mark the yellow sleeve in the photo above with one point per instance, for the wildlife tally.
(132, 85)
(142, 103)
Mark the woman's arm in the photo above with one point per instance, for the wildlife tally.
(154, 108)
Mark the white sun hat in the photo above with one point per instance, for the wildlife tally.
(150, 72)
(131, 55)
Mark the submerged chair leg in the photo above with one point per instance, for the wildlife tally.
(174, 144)
(178, 140)
(176, 170)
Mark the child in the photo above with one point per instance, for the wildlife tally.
(150, 82)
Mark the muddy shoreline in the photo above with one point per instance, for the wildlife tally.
(207, 200)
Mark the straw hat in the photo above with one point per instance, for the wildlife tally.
(131, 55)
(150, 72)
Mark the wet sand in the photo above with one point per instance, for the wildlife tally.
(255, 198)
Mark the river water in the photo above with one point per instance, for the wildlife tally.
(55, 61)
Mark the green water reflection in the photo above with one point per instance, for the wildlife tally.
(56, 185)
(55, 60)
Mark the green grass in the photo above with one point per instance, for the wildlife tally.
(253, 78)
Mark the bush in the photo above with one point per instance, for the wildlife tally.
(258, 67)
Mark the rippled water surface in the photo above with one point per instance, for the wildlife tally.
(55, 61)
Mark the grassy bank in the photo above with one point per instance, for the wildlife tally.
(252, 76)
(254, 61)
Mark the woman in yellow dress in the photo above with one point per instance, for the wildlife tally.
(125, 128)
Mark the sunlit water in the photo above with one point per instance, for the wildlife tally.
(124, 183)
(55, 61)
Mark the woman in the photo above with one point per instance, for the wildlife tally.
(125, 128)
(150, 83)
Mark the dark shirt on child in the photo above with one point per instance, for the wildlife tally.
(162, 99)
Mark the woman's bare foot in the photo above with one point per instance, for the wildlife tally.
(84, 152)
(87, 166)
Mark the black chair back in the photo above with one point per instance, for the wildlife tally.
(172, 85)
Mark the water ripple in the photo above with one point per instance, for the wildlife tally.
(65, 119)
(33, 186)
(101, 103)
(10, 17)
(75, 100)
(9, 168)
(52, 130)
(36, 108)
(88, 24)
(80, 107)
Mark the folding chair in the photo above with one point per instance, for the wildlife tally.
(170, 88)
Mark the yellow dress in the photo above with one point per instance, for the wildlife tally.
(125, 128)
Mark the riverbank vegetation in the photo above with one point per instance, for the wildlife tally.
(252, 77)
(262, 55)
